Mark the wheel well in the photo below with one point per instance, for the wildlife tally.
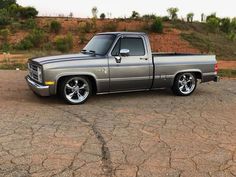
(196, 73)
(91, 78)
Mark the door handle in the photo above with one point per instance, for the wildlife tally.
(143, 58)
(118, 59)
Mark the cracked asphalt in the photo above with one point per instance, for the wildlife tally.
(145, 134)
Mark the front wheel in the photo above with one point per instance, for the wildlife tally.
(76, 90)
(184, 84)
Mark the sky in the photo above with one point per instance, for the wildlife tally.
(124, 8)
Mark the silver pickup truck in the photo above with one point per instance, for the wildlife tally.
(118, 62)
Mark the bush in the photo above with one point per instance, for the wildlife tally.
(232, 36)
(4, 17)
(165, 19)
(64, 44)
(102, 16)
(25, 44)
(5, 47)
(157, 26)
(85, 27)
(173, 13)
(37, 37)
(82, 37)
(4, 4)
(28, 12)
(55, 27)
(135, 15)
(213, 24)
(4, 33)
(225, 25)
(30, 24)
(33, 40)
(110, 27)
(149, 17)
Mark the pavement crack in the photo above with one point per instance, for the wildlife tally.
(105, 152)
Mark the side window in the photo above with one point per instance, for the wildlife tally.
(135, 46)
(116, 49)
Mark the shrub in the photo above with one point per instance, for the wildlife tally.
(232, 36)
(24, 44)
(4, 4)
(30, 24)
(47, 46)
(37, 37)
(33, 40)
(64, 44)
(4, 33)
(82, 37)
(85, 27)
(55, 27)
(225, 25)
(165, 19)
(5, 47)
(4, 17)
(157, 26)
(110, 27)
(149, 17)
(102, 16)
(28, 12)
(213, 24)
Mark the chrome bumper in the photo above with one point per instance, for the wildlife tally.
(37, 88)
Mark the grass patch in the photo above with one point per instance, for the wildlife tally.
(13, 66)
(231, 73)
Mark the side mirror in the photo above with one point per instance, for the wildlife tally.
(124, 52)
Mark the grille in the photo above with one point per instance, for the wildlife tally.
(33, 71)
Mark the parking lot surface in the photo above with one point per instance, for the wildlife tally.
(146, 134)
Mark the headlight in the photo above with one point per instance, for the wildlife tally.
(40, 76)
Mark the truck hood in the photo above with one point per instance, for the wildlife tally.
(63, 58)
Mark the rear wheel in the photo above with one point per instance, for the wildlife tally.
(184, 84)
(76, 89)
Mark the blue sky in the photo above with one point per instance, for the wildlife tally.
(121, 8)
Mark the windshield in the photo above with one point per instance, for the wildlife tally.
(99, 44)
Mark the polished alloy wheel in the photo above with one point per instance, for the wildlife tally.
(186, 83)
(76, 90)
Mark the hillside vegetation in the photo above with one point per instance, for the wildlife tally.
(21, 31)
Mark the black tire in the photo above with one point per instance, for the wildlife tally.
(184, 87)
(66, 91)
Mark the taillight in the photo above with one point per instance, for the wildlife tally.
(216, 68)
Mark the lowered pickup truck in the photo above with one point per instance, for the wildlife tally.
(118, 62)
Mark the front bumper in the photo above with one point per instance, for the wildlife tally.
(37, 88)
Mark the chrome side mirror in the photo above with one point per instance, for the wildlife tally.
(124, 52)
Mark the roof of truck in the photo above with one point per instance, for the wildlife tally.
(124, 32)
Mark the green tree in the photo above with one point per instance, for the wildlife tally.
(173, 13)
(4, 17)
(102, 16)
(94, 12)
(5, 4)
(190, 17)
(135, 15)
(225, 25)
(233, 24)
(28, 12)
(213, 24)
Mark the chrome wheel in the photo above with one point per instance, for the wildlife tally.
(186, 83)
(76, 90)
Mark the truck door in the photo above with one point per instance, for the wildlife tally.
(129, 64)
